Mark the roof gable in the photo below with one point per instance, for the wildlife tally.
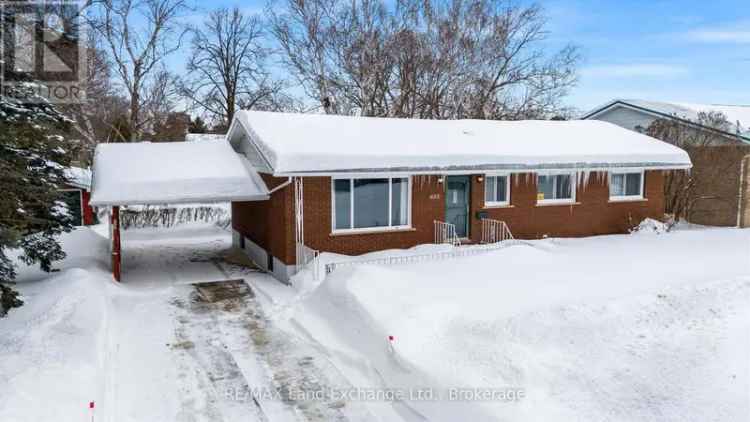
(738, 116)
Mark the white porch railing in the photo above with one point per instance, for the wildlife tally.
(494, 231)
(446, 233)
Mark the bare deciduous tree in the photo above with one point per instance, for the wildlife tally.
(158, 100)
(139, 34)
(438, 59)
(683, 190)
(227, 66)
(93, 119)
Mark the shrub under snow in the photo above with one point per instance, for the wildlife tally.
(651, 226)
(174, 215)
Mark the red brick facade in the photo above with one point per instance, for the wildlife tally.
(270, 224)
(592, 214)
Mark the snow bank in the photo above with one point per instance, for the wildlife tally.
(172, 172)
(651, 226)
(49, 350)
(294, 143)
(613, 328)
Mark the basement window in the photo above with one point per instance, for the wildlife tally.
(362, 204)
(496, 190)
(555, 188)
(625, 186)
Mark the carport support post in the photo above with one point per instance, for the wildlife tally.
(116, 260)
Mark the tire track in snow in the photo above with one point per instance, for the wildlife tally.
(201, 332)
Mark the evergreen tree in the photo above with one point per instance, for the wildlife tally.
(33, 157)
(197, 126)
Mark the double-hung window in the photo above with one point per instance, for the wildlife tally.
(555, 188)
(625, 186)
(371, 203)
(497, 190)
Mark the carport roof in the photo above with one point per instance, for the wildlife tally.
(173, 172)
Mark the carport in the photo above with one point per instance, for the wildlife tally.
(146, 173)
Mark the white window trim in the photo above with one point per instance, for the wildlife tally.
(624, 198)
(507, 191)
(387, 228)
(573, 189)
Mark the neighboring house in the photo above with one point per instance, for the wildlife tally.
(721, 169)
(76, 194)
(354, 185)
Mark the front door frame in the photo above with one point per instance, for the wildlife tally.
(467, 178)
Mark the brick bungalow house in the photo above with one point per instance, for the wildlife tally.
(721, 167)
(353, 185)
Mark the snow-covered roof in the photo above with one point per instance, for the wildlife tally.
(319, 144)
(738, 116)
(172, 173)
(192, 137)
(78, 177)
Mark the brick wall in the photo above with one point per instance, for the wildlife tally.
(270, 224)
(717, 174)
(592, 214)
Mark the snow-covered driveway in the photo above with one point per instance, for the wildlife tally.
(149, 348)
(138, 349)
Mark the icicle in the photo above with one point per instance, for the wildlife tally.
(586, 176)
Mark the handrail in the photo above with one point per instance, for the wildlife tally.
(495, 231)
(445, 233)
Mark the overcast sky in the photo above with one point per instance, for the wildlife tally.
(679, 50)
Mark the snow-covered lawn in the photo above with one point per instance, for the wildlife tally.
(631, 327)
(620, 328)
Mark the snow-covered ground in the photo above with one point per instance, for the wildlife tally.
(621, 328)
(632, 327)
(143, 350)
